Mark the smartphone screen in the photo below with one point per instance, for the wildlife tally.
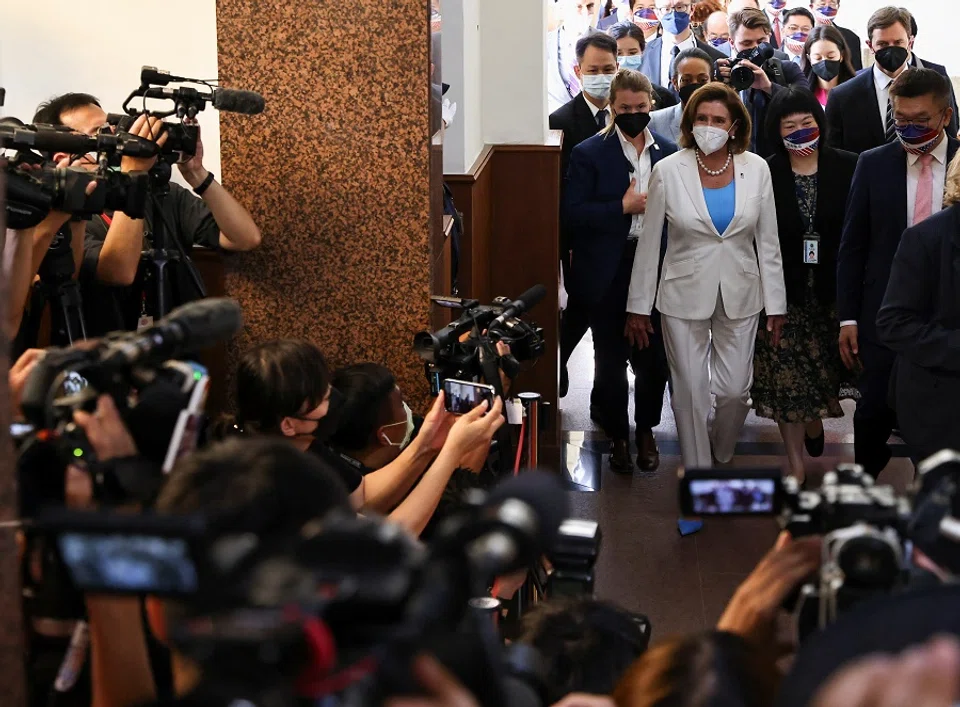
(733, 496)
(461, 397)
(129, 563)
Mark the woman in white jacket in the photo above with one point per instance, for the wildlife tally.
(722, 268)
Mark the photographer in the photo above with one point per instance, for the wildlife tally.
(114, 242)
(284, 388)
(749, 29)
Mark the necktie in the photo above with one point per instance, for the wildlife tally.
(602, 119)
(673, 56)
(923, 208)
(776, 29)
(889, 127)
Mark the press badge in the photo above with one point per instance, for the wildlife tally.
(144, 322)
(811, 249)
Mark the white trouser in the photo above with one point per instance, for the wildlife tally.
(691, 355)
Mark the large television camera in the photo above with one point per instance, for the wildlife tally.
(466, 348)
(340, 610)
(158, 398)
(865, 527)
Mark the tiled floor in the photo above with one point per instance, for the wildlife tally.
(682, 584)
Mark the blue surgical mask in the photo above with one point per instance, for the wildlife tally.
(630, 62)
(675, 22)
(598, 85)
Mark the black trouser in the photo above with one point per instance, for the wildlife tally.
(608, 319)
(874, 419)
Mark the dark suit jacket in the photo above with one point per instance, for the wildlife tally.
(920, 321)
(596, 182)
(834, 176)
(651, 59)
(923, 64)
(854, 117)
(876, 219)
(757, 102)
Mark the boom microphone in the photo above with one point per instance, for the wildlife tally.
(235, 101)
(524, 302)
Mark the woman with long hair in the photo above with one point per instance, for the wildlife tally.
(826, 61)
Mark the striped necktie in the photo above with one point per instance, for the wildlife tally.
(889, 128)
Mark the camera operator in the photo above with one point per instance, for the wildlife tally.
(284, 388)
(749, 30)
(114, 242)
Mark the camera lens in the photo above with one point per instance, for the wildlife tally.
(741, 78)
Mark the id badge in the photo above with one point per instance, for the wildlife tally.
(144, 322)
(811, 249)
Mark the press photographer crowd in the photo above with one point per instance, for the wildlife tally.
(324, 544)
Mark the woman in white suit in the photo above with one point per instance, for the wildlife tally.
(722, 268)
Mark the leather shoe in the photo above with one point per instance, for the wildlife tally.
(815, 445)
(648, 455)
(620, 458)
(564, 382)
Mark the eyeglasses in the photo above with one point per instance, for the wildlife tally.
(683, 7)
(827, 3)
(920, 123)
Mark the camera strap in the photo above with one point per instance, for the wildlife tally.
(106, 219)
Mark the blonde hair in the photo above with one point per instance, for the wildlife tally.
(627, 80)
(951, 193)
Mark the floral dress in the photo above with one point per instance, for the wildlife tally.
(801, 380)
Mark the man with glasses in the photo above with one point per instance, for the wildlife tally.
(577, 18)
(797, 26)
(644, 16)
(895, 186)
(674, 17)
(824, 13)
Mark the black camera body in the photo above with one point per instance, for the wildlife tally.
(742, 77)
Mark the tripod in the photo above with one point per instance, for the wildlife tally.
(160, 254)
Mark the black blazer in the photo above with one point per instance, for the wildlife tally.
(854, 117)
(834, 175)
(920, 321)
(876, 219)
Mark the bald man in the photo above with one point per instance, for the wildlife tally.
(716, 32)
(735, 6)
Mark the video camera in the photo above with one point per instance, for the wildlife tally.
(742, 77)
(475, 359)
(343, 608)
(865, 527)
(159, 399)
(35, 186)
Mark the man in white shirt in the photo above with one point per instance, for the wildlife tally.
(797, 26)
(896, 186)
(577, 18)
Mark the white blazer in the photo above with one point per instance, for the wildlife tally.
(699, 260)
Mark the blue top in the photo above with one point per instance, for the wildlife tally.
(722, 205)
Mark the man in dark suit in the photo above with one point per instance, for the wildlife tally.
(604, 205)
(824, 11)
(674, 18)
(859, 111)
(748, 29)
(920, 321)
(580, 119)
(895, 186)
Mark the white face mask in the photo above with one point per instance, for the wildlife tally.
(408, 435)
(598, 85)
(710, 139)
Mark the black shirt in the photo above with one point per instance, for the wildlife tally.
(349, 470)
(108, 308)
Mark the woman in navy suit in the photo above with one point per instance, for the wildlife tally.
(605, 202)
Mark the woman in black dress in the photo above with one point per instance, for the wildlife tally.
(798, 382)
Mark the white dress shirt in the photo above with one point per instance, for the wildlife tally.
(595, 110)
(939, 166)
(881, 82)
(642, 166)
(666, 54)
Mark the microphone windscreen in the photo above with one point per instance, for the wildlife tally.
(205, 322)
(235, 101)
(531, 297)
(544, 494)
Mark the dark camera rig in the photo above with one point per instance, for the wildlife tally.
(742, 77)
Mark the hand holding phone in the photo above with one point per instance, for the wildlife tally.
(460, 397)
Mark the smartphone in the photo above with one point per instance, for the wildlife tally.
(460, 397)
(754, 492)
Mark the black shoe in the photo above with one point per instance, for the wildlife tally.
(620, 460)
(814, 445)
(564, 382)
(648, 456)
(596, 415)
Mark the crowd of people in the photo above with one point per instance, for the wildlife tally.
(745, 212)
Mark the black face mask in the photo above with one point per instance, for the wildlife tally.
(327, 425)
(687, 91)
(632, 124)
(892, 58)
(826, 69)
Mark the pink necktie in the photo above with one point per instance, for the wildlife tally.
(923, 208)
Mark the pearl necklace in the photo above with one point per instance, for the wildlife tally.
(711, 172)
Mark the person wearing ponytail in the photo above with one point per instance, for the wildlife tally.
(826, 62)
(799, 382)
